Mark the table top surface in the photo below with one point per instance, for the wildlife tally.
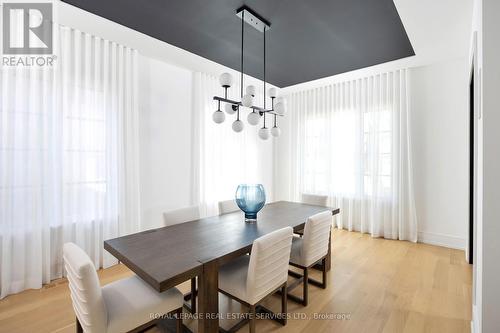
(167, 256)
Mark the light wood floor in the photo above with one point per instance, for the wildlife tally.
(375, 285)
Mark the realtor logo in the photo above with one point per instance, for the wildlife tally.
(27, 28)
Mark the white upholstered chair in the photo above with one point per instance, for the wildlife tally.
(121, 306)
(227, 206)
(181, 215)
(308, 250)
(313, 199)
(178, 216)
(251, 278)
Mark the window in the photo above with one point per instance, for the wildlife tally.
(377, 152)
(86, 157)
(335, 162)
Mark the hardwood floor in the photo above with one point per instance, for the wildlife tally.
(375, 285)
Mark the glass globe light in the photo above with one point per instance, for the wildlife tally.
(280, 100)
(272, 92)
(253, 118)
(229, 108)
(226, 80)
(251, 90)
(238, 126)
(218, 117)
(264, 133)
(247, 100)
(279, 108)
(275, 131)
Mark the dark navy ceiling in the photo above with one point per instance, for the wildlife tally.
(308, 39)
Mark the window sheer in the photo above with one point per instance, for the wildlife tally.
(68, 157)
(350, 141)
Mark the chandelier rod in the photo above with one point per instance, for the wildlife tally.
(264, 67)
(242, 45)
(264, 76)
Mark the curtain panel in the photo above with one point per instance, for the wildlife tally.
(351, 141)
(68, 157)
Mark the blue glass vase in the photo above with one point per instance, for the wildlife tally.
(250, 198)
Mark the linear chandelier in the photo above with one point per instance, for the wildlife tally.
(247, 100)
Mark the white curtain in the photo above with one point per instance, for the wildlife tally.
(68, 157)
(351, 141)
(222, 158)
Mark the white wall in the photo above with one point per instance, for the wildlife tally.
(439, 129)
(165, 138)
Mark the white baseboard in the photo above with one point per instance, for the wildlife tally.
(474, 324)
(452, 242)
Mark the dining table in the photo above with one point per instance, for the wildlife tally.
(167, 256)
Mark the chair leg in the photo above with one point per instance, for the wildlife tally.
(284, 309)
(324, 270)
(252, 315)
(306, 280)
(305, 285)
(178, 321)
(79, 328)
(193, 295)
(322, 265)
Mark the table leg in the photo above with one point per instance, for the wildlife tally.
(208, 298)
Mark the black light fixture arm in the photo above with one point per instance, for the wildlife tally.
(255, 108)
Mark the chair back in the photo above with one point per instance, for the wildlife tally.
(313, 199)
(85, 290)
(181, 215)
(227, 206)
(316, 237)
(268, 267)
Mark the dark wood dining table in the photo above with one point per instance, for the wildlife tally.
(168, 256)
